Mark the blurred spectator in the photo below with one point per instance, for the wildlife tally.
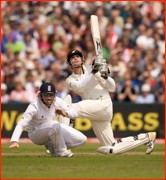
(115, 75)
(58, 73)
(28, 54)
(16, 59)
(156, 69)
(128, 28)
(29, 86)
(61, 89)
(8, 77)
(18, 68)
(146, 41)
(152, 9)
(8, 53)
(160, 43)
(159, 27)
(48, 76)
(5, 98)
(147, 79)
(44, 58)
(75, 97)
(146, 97)
(102, 19)
(160, 82)
(41, 72)
(127, 51)
(43, 39)
(134, 77)
(116, 61)
(114, 97)
(138, 61)
(37, 85)
(6, 31)
(150, 79)
(61, 58)
(112, 36)
(160, 96)
(127, 77)
(30, 42)
(118, 20)
(18, 95)
(36, 37)
(127, 93)
(29, 69)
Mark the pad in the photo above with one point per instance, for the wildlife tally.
(65, 120)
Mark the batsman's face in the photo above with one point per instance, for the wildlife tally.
(75, 60)
(48, 98)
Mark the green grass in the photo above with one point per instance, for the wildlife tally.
(31, 162)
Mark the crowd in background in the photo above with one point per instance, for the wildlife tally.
(37, 35)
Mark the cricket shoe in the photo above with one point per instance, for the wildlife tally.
(50, 149)
(150, 144)
(48, 152)
(67, 154)
(107, 150)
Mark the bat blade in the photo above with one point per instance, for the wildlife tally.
(96, 35)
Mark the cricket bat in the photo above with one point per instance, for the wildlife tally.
(96, 35)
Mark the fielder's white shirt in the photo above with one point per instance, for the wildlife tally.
(96, 87)
(37, 113)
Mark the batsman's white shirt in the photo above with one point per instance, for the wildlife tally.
(97, 104)
(37, 113)
(97, 88)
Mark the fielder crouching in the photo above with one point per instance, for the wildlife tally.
(39, 119)
(93, 84)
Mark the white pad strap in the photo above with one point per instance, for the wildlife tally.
(126, 144)
(65, 120)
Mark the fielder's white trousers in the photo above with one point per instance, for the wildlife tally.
(100, 113)
(63, 137)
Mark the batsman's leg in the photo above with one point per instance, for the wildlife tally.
(103, 132)
(99, 112)
(126, 144)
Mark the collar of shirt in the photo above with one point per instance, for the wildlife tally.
(85, 71)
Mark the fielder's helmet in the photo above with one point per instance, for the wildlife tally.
(47, 88)
(73, 52)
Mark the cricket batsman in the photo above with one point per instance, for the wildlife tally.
(93, 84)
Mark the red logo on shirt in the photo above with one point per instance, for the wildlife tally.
(42, 116)
(69, 107)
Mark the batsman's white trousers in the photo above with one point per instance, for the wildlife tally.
(63, 137)
(100, 113)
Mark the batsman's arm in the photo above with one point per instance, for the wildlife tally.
(74, 84)
(78, 86)
(87, 80)
(110, 83)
